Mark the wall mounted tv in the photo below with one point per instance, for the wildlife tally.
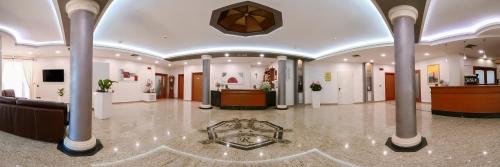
(54, 75)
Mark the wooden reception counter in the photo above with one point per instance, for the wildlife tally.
(466, 101)
(243, 99)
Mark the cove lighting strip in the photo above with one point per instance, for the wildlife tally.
(369, 8)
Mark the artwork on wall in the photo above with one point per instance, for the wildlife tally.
(433, 74)
(328, 76)
(232, 78)
(128, 76)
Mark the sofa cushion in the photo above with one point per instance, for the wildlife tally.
(7, 100)
(41, 104)
(9, 93)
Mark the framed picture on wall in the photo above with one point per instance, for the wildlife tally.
(433, 74)
(232, 78)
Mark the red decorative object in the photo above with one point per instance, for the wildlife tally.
(232, 80)
(149, 68)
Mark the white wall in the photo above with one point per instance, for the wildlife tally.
(315, 71)
(125, 91)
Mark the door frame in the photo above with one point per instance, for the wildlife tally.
(179, 85)
(164, 78)
(385, 81)
(192, 85)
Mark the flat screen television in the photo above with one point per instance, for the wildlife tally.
(54, 75)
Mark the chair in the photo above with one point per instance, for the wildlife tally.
(8, 93)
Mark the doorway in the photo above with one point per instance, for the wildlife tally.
(345, 93)
(161, 85)
(180, 87)
(390, 86)
(197, 86)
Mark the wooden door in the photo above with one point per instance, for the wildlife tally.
(197, 86)
(170, 86)
(180, 87)
(161, 85)
(390, 86)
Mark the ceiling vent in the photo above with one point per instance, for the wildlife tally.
(134, 55)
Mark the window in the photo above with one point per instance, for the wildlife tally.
(486, 75)
(17, 76)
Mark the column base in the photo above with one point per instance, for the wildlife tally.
(281, 107)
(406, 145)
(77, 149)
(205, 107)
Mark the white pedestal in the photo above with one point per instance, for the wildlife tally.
(102, 105)
(149, 97)
(316, 99)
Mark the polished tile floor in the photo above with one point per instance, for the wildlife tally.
(169, 133)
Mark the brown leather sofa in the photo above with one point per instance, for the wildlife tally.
(8, 93)
(35, 119)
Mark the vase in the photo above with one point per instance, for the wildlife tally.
(60, 99)
(316, 99)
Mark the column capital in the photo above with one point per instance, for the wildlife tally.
(204, 57)
(88, 5)
(281, 57)
(403, 10)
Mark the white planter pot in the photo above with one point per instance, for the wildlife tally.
(149, 97)
(102, 104)
(59, 99)
(316, 99)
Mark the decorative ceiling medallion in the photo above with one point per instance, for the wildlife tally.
(246, 19)
(245, 134)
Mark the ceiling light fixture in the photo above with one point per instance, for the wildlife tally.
(465, 57)
(383, 55)
(259, 63)
(139, 58)
(393, 63)
(227, 54)
(480, 51)
(484, 56)
(117, 55)
(170, 65)
(229, 60)
(427, 54)
(371, 61)
(156, 62)
(58, 52)
(185, 62)
(262, 55)
(30, 52)
(345, 59)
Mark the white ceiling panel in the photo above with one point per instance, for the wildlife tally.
(31, 22)
(310, 28)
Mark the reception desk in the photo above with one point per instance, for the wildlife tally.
(243, 99)
(466, 101)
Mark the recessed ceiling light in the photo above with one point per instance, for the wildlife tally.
(139, 58)
(480, 51)
(262, 55)
(383, 55)
(170, 65)
(156, 62)
(227, 54)
(345, 59)
(465, 57)
(185, 62)
(229, 60)
(372, 61)
(427, 54)
(259, 63)
(484, 57)
(117, 55)
(393, 63)
(58, 52)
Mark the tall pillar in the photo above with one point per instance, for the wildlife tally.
(406, 138)
(281, 105)
(1, 66)
(206, 82)
(80, 140)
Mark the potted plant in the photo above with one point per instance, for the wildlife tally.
(102, 99)
(60, 92)
(316, 88)
(149, 91)
(266, 87)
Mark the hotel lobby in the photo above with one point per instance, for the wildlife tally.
(249, 83)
